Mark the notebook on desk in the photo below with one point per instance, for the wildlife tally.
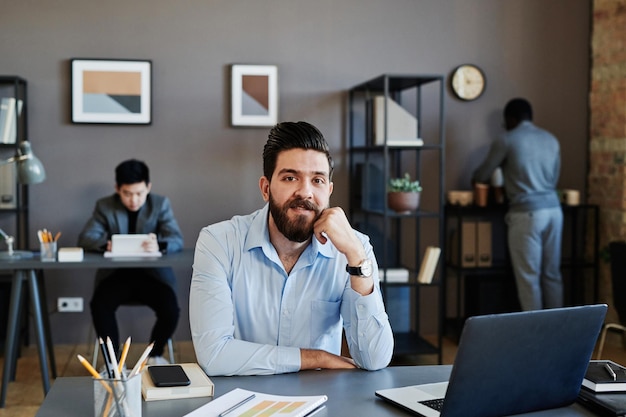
(129, 246)
(510, 364)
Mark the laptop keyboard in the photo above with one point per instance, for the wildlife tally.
(436, 404)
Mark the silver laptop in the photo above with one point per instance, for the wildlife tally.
(129, 246)
(511, 363)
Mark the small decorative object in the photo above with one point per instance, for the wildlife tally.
(113, 91)
(460, 197)
(254, 95)
(481, 194)
(467, 82)
(403, 195)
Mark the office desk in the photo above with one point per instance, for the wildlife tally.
(350, 392)
(25, 271)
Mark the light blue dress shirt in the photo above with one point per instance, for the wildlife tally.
(249, 317)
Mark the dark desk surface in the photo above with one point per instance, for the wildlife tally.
(350, 392)
(97, 260)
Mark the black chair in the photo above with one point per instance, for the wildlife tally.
(617, 253)
(96, 346)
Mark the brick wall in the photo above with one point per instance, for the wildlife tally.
(607, 146)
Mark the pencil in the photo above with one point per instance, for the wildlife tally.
(93, 372)
(57, 236)
(141, 360)
(125, 349)
(90, 368)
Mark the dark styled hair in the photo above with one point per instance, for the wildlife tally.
(293, 135)
(132, 171)
(519, 109)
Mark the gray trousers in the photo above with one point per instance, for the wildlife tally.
(534, 239)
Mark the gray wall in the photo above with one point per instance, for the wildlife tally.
(533, 48)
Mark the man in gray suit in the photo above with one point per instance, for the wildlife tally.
(133, 209)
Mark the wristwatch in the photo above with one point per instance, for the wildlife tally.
(364, 270)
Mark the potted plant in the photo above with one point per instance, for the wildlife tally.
(403, 194)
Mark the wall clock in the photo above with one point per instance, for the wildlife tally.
(468, 82)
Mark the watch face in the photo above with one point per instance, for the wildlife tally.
(366, 268)
(468, 82)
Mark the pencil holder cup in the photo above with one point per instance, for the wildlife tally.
(117, 398)
(48, 251)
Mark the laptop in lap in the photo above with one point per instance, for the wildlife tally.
(511, 363)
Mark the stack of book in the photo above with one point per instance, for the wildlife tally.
(604, 388)
(605, 376)
(200, 385)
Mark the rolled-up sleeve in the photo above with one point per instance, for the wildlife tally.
(366, 324)
(211, 317)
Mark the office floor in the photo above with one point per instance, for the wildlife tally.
(25, 394)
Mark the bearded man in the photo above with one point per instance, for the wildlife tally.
(272, 291)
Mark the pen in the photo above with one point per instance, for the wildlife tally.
(107, 360)
(113, 359)
(610, 371)
(234, 407)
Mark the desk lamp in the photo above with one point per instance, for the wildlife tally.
(29, 171)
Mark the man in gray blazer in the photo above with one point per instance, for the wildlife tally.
(132, 209)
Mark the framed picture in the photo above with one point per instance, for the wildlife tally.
(111, 91)
(254, 95)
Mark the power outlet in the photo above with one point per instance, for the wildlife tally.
(70, 304)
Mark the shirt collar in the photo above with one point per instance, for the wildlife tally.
(259, 237)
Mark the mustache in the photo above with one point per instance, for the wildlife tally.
(305, 204)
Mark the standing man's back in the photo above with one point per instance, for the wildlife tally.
(531, 170)
(530, 160)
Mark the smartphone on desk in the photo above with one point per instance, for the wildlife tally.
(168, 375)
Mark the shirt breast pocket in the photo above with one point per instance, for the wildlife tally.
(326, 325)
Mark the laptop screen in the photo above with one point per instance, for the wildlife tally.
(520, 362)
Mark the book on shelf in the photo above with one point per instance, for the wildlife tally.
(7, 112)
(8, 132)
(200, 386)
(250, 403)
(393, 274)
(429, 264)
(400, 128)
(599, 378)
(8, 186)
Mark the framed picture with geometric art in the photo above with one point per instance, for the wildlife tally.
(254, 95)
(111, 91)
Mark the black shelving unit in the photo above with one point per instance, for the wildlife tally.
(13, 196)
(491, 289)
(400, 239)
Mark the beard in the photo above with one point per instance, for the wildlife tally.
(299, 229)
